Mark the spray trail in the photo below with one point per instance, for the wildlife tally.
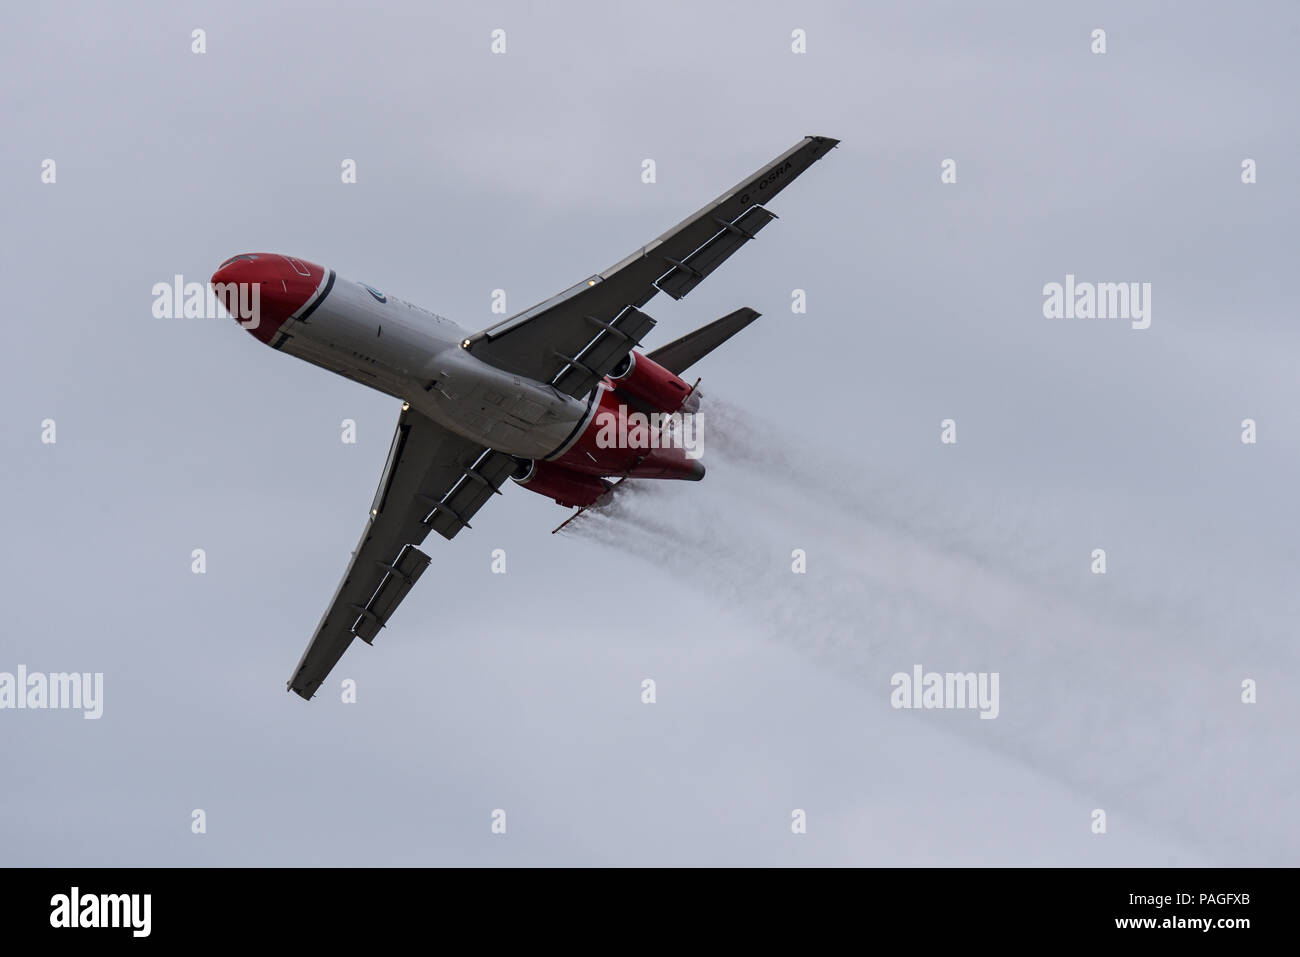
(1132, 703)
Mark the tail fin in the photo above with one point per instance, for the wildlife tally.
(680, 354)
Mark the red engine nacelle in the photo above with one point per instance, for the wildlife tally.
(649, 382)
(570, 489)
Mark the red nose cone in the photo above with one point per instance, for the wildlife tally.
(262, 290)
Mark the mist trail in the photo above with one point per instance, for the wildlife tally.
(1124, 701)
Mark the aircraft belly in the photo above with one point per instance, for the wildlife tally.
(344, 363)
(520, 427)
(405, 352)
(373, 334)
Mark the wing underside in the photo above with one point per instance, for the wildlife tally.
(434, 480)
(575, 338)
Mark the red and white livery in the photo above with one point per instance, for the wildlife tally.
(525, 399)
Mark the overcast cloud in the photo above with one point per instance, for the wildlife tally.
(522, 691)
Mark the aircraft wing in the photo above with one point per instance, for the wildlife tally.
(573, 339)
(434, 480)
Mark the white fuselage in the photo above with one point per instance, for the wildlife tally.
(416, 355)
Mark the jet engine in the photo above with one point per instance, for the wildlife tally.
(568, 488)
(650, 383)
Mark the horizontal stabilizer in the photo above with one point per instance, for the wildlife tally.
(680, 354)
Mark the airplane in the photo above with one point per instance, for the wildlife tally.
(518, 400)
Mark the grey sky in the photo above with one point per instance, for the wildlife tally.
(521, 691)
